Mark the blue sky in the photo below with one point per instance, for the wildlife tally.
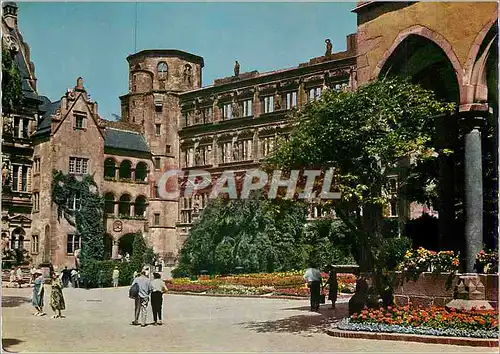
(92, 40)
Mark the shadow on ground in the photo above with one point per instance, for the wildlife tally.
(8, 342)
(14, 301)
(313, 322)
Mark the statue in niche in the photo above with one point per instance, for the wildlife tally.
(6, 173)
(197, 157)
(235, 107)
(236, 152)
(187, 73)
(236, 68)
(196, 204)
(8, 126)
(79, 84)
(329, 47)
(277, 102)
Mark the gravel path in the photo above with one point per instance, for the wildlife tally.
(99, 320)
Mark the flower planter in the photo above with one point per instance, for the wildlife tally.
(430, 289)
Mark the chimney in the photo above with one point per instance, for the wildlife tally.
(10, 14)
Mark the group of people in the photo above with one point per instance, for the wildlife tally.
(16, 276)
(56, 294)
(141, 289)
(315, 283)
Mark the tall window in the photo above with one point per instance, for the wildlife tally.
(168, 149)
(158, 129)
(227, 111)
(21, 127)
(268, 103)
(202, 156)
(157, 163)
(80, 120)
(35, 245)
(243, 150)
(78, 165)
(315, 93)
(36, 201)
(157, 219)
(74, 202)
(15, 177)
(36, 165)
(189, 157)
(17, 241)
(25, 132)
(247, 108)
(225, 152)
(393, 207)
(24, 179)
(267, 145)
(74, 243)
(291, 99)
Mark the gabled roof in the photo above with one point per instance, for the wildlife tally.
(125, 140)
(21, 63)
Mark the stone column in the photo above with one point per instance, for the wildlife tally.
(473, 190)
(114, 250)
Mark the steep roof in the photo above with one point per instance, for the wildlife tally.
(125, 140)
(47, 108)
(21, 63)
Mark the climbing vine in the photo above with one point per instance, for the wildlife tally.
(86, 214)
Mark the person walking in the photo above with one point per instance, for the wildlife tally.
(142, 299)
(116, 276)
(74, 278)
(314, 280)
(159, 289)
(38, 293)
(56, 297)
(333, 286)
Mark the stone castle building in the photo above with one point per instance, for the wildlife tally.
(169, 121)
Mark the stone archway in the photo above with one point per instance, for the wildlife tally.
(125, 244)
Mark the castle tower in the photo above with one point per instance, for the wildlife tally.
(155, 79)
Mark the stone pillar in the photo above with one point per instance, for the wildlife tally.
(116, 208)
(114, 250)
(473, 190)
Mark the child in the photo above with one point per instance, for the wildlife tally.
(159, 289)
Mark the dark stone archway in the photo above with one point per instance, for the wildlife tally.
(125, 244)
(426, 64)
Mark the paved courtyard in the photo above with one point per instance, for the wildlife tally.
(99, 321)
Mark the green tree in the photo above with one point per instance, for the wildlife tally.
(11, 83)
(364, 135)
(255, 234)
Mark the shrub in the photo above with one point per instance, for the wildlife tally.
(99, 273)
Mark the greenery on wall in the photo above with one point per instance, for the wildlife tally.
(88, 218)
(11, 83)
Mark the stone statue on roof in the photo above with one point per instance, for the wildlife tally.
(236, 68)
(329, 47)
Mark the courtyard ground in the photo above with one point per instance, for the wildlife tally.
(99, 320)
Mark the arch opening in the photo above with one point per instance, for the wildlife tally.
(125, 170)
(109, 203)
(124, 205)
(110, 168)
(140, 206)
(125, 244)
(141, 171)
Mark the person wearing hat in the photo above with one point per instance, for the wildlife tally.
(116, 276)
(38, 292)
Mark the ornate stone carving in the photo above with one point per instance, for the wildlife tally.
(277, 102)
(235, 107)
(10, 43)
(8, 125)
(329, 47)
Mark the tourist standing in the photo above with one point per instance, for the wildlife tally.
(12, 277)
(19, 276)
(56, 296)
(116, 276)
(74, 278)
(333, 286)
(33, 274)
(141, 301)
(313, 278)
(65, 277)
(159, 289)
(38, 293)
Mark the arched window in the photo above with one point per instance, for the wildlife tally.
(125, 170)
(140, 206)
(141, 171)
(124, 207)
(109, 167)
(17, 239)
(162, 67)
(109, 203)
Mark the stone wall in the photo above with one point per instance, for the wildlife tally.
(430, 289)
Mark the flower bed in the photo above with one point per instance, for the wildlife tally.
(284, 283)
(436, 321)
